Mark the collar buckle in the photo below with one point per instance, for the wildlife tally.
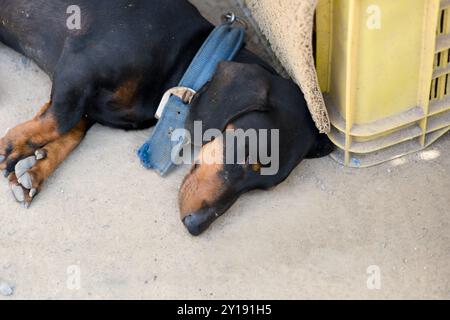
(184, 93)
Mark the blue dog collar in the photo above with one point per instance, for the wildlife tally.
(223, 44)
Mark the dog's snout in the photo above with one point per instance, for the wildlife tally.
(197, 223)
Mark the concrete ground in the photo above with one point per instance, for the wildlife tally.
(104, 227)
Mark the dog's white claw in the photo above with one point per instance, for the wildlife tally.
(2, 158)
(24, 165)
(5, 173)
(32, 193)
(26, 181)
(18, 193)
(40, 154)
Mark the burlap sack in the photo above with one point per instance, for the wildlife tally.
(288, 25)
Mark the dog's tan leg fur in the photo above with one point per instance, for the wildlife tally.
(23, 140)
(49, 158)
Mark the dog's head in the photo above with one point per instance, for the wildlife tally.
(267, 130)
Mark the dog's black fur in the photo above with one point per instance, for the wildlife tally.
(114, 71)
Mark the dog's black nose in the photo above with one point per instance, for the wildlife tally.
(198, 222)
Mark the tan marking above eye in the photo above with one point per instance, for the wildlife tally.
(256, 167)
(212, 153)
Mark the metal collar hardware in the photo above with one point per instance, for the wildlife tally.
(185, 94)
(231, 18)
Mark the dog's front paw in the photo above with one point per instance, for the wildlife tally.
(26, 180)
(14, 148)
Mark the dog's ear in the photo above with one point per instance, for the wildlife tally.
(236, 89)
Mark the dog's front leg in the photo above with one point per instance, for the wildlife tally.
(69, 98)
(54, 132)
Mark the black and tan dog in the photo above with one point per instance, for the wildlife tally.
(114, 71)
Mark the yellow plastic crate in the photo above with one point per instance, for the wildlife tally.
(384, 67)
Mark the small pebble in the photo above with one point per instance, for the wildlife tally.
(5, 289)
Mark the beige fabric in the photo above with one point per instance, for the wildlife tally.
(288, 25)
